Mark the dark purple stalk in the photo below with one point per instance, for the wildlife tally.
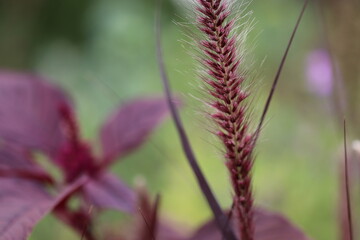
(220, 218)
(347, 189)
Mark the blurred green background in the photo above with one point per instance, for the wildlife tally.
(102, 52)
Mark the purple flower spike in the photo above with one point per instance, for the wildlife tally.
(319, 72)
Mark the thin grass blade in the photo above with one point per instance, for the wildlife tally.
(347, 188)
(279, 71)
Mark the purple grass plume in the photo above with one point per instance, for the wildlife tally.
(221, 59)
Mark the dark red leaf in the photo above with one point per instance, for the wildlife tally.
(129, 126)
(268, 226)
(107, 191)
(29, 111)
(16, 162)
(24, 203)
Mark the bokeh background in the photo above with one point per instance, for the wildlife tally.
(103, 52)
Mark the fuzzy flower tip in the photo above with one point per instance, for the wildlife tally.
(319, 73)
(221, 61)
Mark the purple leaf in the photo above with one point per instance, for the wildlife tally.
(16, 162)
(129, 126)
(107, 191)
(268, 226)
(166, 232)
(23, 204)
(29, 111)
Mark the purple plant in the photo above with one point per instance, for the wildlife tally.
(230, 111)
(38, 116)
(221, 63)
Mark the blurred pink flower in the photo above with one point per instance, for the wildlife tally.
(319, 72)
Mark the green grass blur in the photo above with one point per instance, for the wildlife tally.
(102, 52)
